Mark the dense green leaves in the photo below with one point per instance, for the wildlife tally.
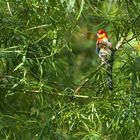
(52, 84)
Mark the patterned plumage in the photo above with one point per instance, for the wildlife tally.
(103, 46)
(104, 51)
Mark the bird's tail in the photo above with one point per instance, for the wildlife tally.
(109, 76)
(109, 71)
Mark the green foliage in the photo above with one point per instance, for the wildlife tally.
(51, 85)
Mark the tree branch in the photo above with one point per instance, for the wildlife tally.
(61, 94)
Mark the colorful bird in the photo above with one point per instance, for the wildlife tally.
(104, 50)
(103, 46)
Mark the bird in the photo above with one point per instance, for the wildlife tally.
(104, 50)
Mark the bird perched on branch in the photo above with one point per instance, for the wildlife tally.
(104, 50)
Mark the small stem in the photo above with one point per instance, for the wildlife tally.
(9, 9)
(40, 26)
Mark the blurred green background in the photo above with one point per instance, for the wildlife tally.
(48, 52)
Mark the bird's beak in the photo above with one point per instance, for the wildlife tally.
(100, 35)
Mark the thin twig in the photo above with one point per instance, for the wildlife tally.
(9, 9)
(86, 79)
(37, 27)
(64, 95)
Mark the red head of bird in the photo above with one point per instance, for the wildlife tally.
(101, 34)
